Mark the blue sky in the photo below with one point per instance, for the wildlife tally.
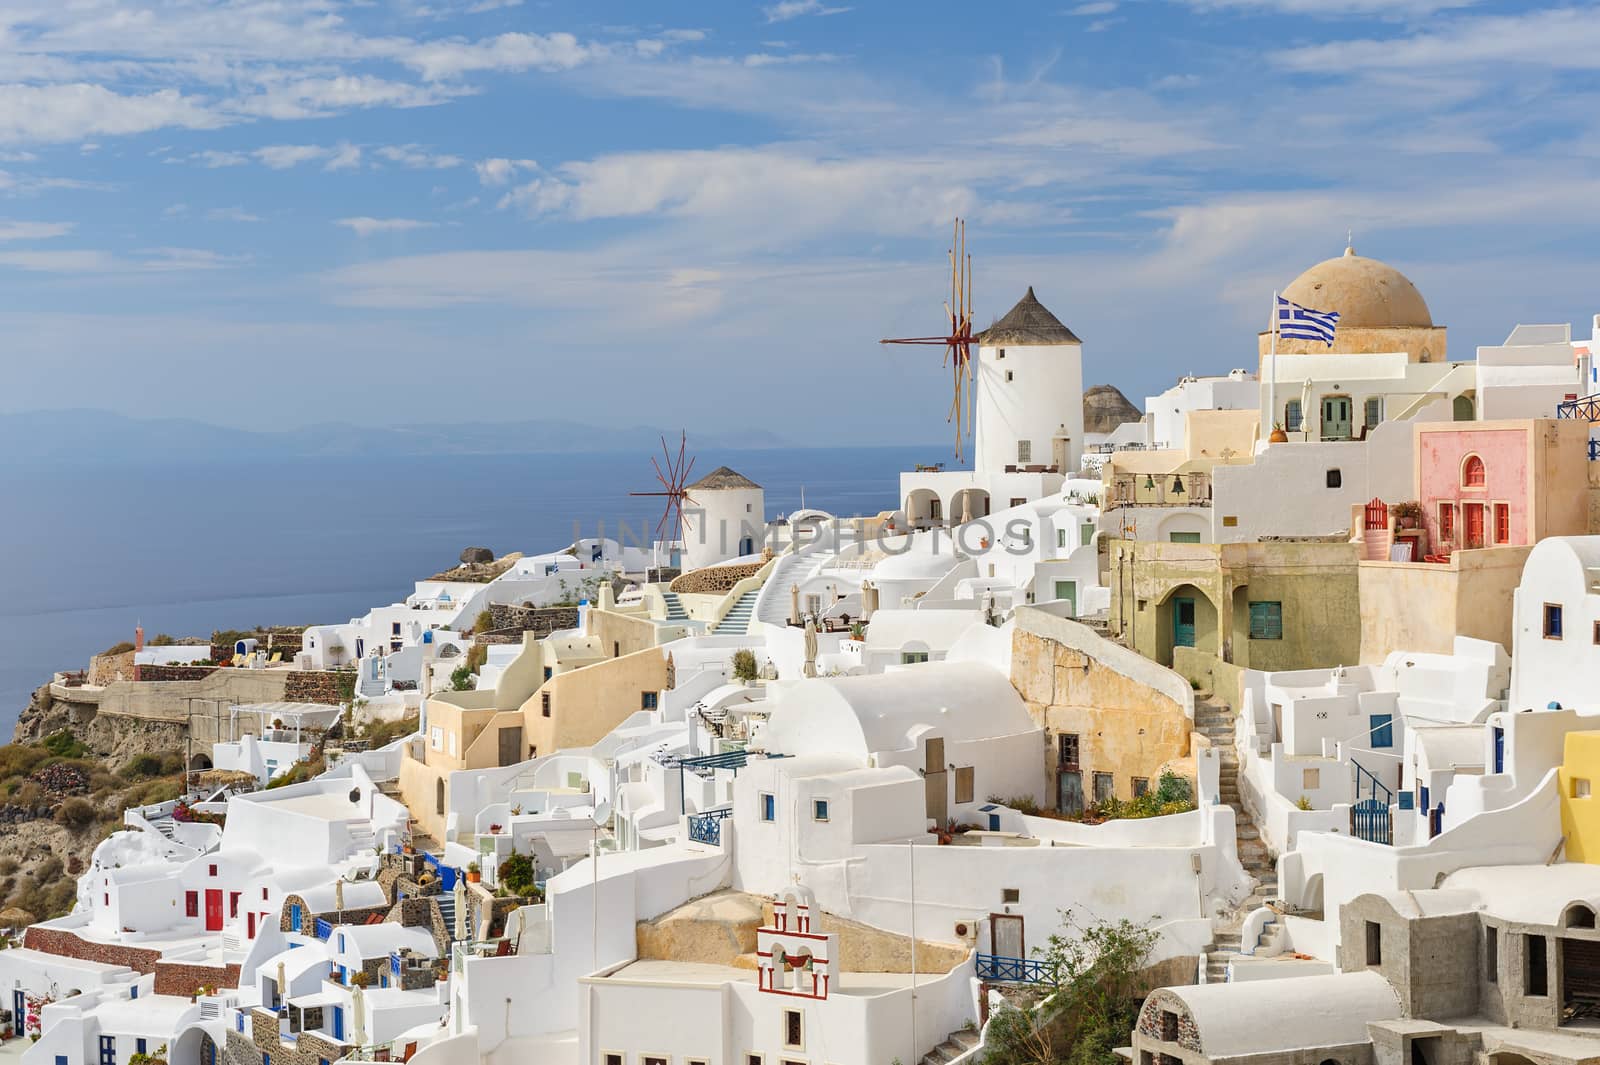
(270, 213)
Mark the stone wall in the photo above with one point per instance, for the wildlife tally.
(510, 620)
(104, 669)
(312, 686)
(263, 1045)
(66, 944)
(151, 673)
(714, 579)
(182, 979)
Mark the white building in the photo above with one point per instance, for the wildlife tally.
(1168, 413)
(1555, 625)
(724, 517)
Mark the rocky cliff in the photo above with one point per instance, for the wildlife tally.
(112, 737)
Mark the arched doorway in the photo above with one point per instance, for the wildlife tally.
(1185, 618)
(1462, 408)
(924, 509)
(199, 762)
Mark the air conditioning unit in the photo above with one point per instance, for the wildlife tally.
(967, 931)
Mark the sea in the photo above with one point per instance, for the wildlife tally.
(187, 547)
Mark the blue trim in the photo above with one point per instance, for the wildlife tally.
(1000, 969)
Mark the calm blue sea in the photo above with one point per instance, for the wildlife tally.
(188, 549)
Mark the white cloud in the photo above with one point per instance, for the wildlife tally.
(501, 171)
(46, 113)
(288, 156)
(33, 230)
(231, 214)
(416, 157)
(344, 157)
(366, 227)
(437, 60)
(90, 261)
(1096, 7)
(1390, 9)
(1558, 39)
(791, 9)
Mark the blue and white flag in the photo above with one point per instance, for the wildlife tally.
(1302, 323)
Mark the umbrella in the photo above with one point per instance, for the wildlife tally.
(966, 506)
(1305, 409)
(225, 778)
(672, 672)
(283, 986)
(461, 908)
(338, 894)
(811, 647)
(794, 604)
(16, 917)
(358, 1006)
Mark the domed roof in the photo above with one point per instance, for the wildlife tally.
(1368, 294)
(1028, 323)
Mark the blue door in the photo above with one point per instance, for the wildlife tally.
(1499, 750)
(338, 1023)
(19, 1010)
(294, 917)
(1183, 621)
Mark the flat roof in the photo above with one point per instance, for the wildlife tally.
(655, 971)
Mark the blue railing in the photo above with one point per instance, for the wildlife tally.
(323, 929)
(394, 964)
(997, 968)
(1594, 450)
(1376, 789)
(707, 827)
(1585, 409)
(1370, 818)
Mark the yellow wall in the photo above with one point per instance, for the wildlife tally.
(1125, 727)
(1580, 816)
(1422, 607)
(587, 703)
(622, 632)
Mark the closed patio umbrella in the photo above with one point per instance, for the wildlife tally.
(811, 647)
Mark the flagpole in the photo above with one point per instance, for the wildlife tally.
(1272, 370)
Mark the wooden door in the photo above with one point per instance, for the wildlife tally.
(1005, 936)
(1472, 513)
(213, 910)
(1067, 592)
(1335, 417)
(935, 780)
(1183, 621)
(1069, 791)
(511, 745)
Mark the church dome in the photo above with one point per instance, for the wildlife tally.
(1368, 294)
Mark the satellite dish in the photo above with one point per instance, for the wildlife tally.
(602, 812)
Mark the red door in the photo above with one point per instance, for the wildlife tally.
(250, 923)
(1474, 516)
(213, 910)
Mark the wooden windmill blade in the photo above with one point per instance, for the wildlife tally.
(957, 341)
(674, 478)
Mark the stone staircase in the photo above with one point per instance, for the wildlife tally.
(675, 611)
(1215, 720)
(736, 622)
(959, 1042)
(447, 910)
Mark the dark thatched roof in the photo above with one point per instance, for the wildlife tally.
(723, 477)
(1027, 323)
(1105, 408)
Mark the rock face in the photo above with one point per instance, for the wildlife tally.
(476, 555)
(1105, 408)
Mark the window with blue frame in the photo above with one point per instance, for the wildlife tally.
(1552, 621)
(769, 807)
(139, 1046)
(341, 942)
(133, 992)
(649, 700)
(61, 1059)
(294, 917)
(1382, 730)
(108, 1050)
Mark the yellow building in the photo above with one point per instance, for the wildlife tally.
(1580, 817)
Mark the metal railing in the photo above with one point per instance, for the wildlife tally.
(1586, 408)
(999, 969)
(707, 827)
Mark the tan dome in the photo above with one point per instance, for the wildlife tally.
(1368, 294)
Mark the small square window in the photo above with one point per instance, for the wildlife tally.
(1580, 787)
(213, 870)
(1311, 779)
(1141, 786)
(613, 1059)
(1010, 895)
(1009, 375)
(1552, 621)
(819, 810)
(1381, 729)
(1335, 479)
(1266, 620)
(1230, 521)
(752, 1059)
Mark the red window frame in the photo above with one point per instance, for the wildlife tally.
(1502, 523)
(191, 903)
(1447, 523)
(1473, 474)
(233, 904)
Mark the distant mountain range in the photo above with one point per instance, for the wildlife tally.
(96, 436)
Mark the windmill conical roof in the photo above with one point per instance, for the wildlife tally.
(723, 477)
(1028, 323)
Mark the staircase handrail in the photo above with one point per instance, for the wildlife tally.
(738, 591)
(1375, 785)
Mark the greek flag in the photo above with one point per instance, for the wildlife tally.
(1302, 323)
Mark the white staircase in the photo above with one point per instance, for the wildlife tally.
(675, 611)
(773, 606)
(736, 622)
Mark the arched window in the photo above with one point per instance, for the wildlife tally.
(1472, 473)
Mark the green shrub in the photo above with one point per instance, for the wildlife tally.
(163, 640)
(517, 874)
(477, 655)
(462, 680)
(144, 765)
(744, 664)
(483, 622)
(64, 744)
(77, 813)
(118, 648)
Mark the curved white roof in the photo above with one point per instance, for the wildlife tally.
(937, 629)
(924, 557)
(1530, 894)
(862, 715)
(358, 894)
(1253, 1017)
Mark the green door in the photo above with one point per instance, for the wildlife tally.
(1183, 622)
(1068, 591)
(1336, 417)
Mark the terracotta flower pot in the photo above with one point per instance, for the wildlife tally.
(473, 878)
(1278, 436)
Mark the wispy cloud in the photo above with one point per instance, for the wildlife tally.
(231, 214)
(33, 230)
(417, 157)
(792, 9)
(502, 171)
(366, 227)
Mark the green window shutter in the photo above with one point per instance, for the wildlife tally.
(1266, 621)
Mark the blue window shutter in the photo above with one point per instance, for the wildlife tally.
(1382, 726)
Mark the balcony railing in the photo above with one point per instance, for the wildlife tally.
(707, 827)
(1586, 409)
(999, 969)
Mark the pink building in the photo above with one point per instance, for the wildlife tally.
(1501, 483)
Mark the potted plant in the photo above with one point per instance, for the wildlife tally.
(1406, 514)
(1278, 436)
(858, 631)
(516, 810)
(474, 873)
